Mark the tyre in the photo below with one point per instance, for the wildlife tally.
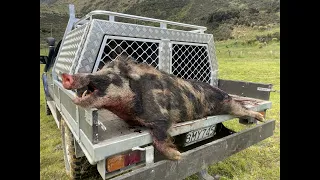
(48, 111)
(76, 168)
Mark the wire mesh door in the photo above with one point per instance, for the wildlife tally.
(191, 61)
(141, 50)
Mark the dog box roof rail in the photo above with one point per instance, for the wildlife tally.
(112, 15)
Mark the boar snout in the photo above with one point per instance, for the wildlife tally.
(67, 81)
(76, 81)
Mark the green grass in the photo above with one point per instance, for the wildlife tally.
(43, 51)
(51, 154)
(247, 63)
(260, 161)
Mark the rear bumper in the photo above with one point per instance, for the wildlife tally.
(197, 159)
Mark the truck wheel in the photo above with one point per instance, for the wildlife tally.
(76, 168)
(48, 112)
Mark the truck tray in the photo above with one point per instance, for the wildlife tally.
(111, 126)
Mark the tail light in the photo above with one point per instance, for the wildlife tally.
(123, 160)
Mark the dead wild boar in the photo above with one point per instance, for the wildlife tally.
(141, 94)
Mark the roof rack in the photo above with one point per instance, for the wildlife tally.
(112, 15)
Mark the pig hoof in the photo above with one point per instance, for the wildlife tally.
(260, 117)
(173, 154)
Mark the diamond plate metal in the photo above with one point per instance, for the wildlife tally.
(69, 50)
(134, 30)
(191, 61)
(214, 62)
(164, 55)
(99, 28)
(90, 50)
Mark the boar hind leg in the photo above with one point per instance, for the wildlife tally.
(236, 109)
(164, 144)
(161, 139)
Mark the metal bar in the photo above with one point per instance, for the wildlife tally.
(72, 13)
(80, 24)
(197, 31)
(111, 18)
(78, 150)
(53, 110)
(204, 175)
(109, 13)
(242, 88)
(101, 167)
(95, 125)
(95, 67)
(184, 127)
(194, 160)
(149, 154)
(163, 26)
(164, 60)
(189, 43)
(261, 107)
(132, 39)
(210, 64)
(73, 126)
(87, 148)
(69, 27)
(78, 121)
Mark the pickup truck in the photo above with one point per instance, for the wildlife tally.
(99, 140)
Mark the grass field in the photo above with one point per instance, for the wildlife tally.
(236, 62)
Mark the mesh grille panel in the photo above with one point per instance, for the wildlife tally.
(141, 51)
(191, 62)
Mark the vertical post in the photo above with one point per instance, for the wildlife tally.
(101, 167)
(72, 19)
(163, 25)
(164, 55)
(149, 154)
(111, 18)
(51, 30)
(91, 116)
(71, 11)
(95, 126)
(204, 175)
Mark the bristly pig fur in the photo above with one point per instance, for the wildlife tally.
(139, 93)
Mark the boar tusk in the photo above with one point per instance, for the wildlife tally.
(84, 93)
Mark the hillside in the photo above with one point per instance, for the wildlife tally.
(220, 16)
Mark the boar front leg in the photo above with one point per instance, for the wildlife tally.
(161, 139)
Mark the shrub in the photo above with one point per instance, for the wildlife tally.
(269, 37)
(223, 32)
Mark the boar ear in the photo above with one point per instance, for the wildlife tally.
(126, 67)
(123, 58)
